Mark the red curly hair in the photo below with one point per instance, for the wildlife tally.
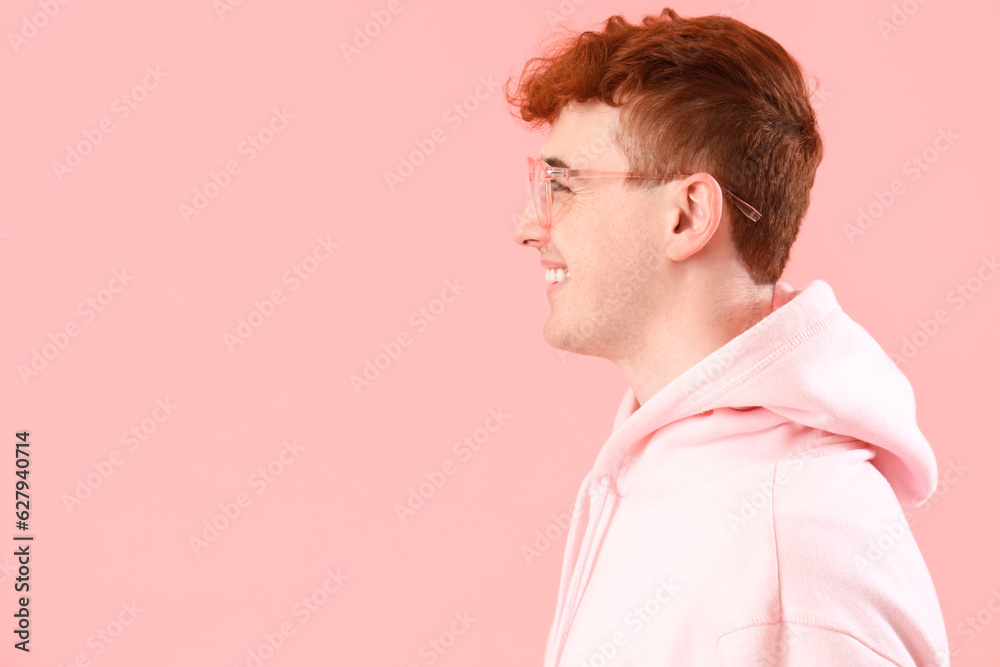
(697, 94)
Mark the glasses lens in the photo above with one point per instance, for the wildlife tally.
(541, 198)
(543, 204)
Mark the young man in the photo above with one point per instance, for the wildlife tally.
(747, 507)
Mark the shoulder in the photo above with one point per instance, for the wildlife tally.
(847, 565)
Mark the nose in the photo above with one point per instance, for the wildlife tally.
(527, 230)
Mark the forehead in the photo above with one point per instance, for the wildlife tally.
(582, 136)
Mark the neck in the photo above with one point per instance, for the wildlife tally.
(693, 327)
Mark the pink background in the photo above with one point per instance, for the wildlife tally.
(161, 334)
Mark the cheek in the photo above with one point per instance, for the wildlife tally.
(624, 242)
(606, 244)
(625, 266)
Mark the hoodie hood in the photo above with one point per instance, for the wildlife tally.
(806, 366)
(810, 363)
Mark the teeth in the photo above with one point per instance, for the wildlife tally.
(556, 275)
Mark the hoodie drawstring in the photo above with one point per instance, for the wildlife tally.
(569, 587)
(566, 571)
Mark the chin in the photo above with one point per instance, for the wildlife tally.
(563, 336)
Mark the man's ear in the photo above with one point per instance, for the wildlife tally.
(693, 211)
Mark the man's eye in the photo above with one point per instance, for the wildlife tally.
(559, 187)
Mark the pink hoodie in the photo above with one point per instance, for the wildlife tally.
(750, 513)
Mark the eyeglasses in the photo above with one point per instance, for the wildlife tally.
(541, 174)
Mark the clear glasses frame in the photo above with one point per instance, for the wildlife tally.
(540, 175)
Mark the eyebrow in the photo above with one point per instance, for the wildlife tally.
(555, 162)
